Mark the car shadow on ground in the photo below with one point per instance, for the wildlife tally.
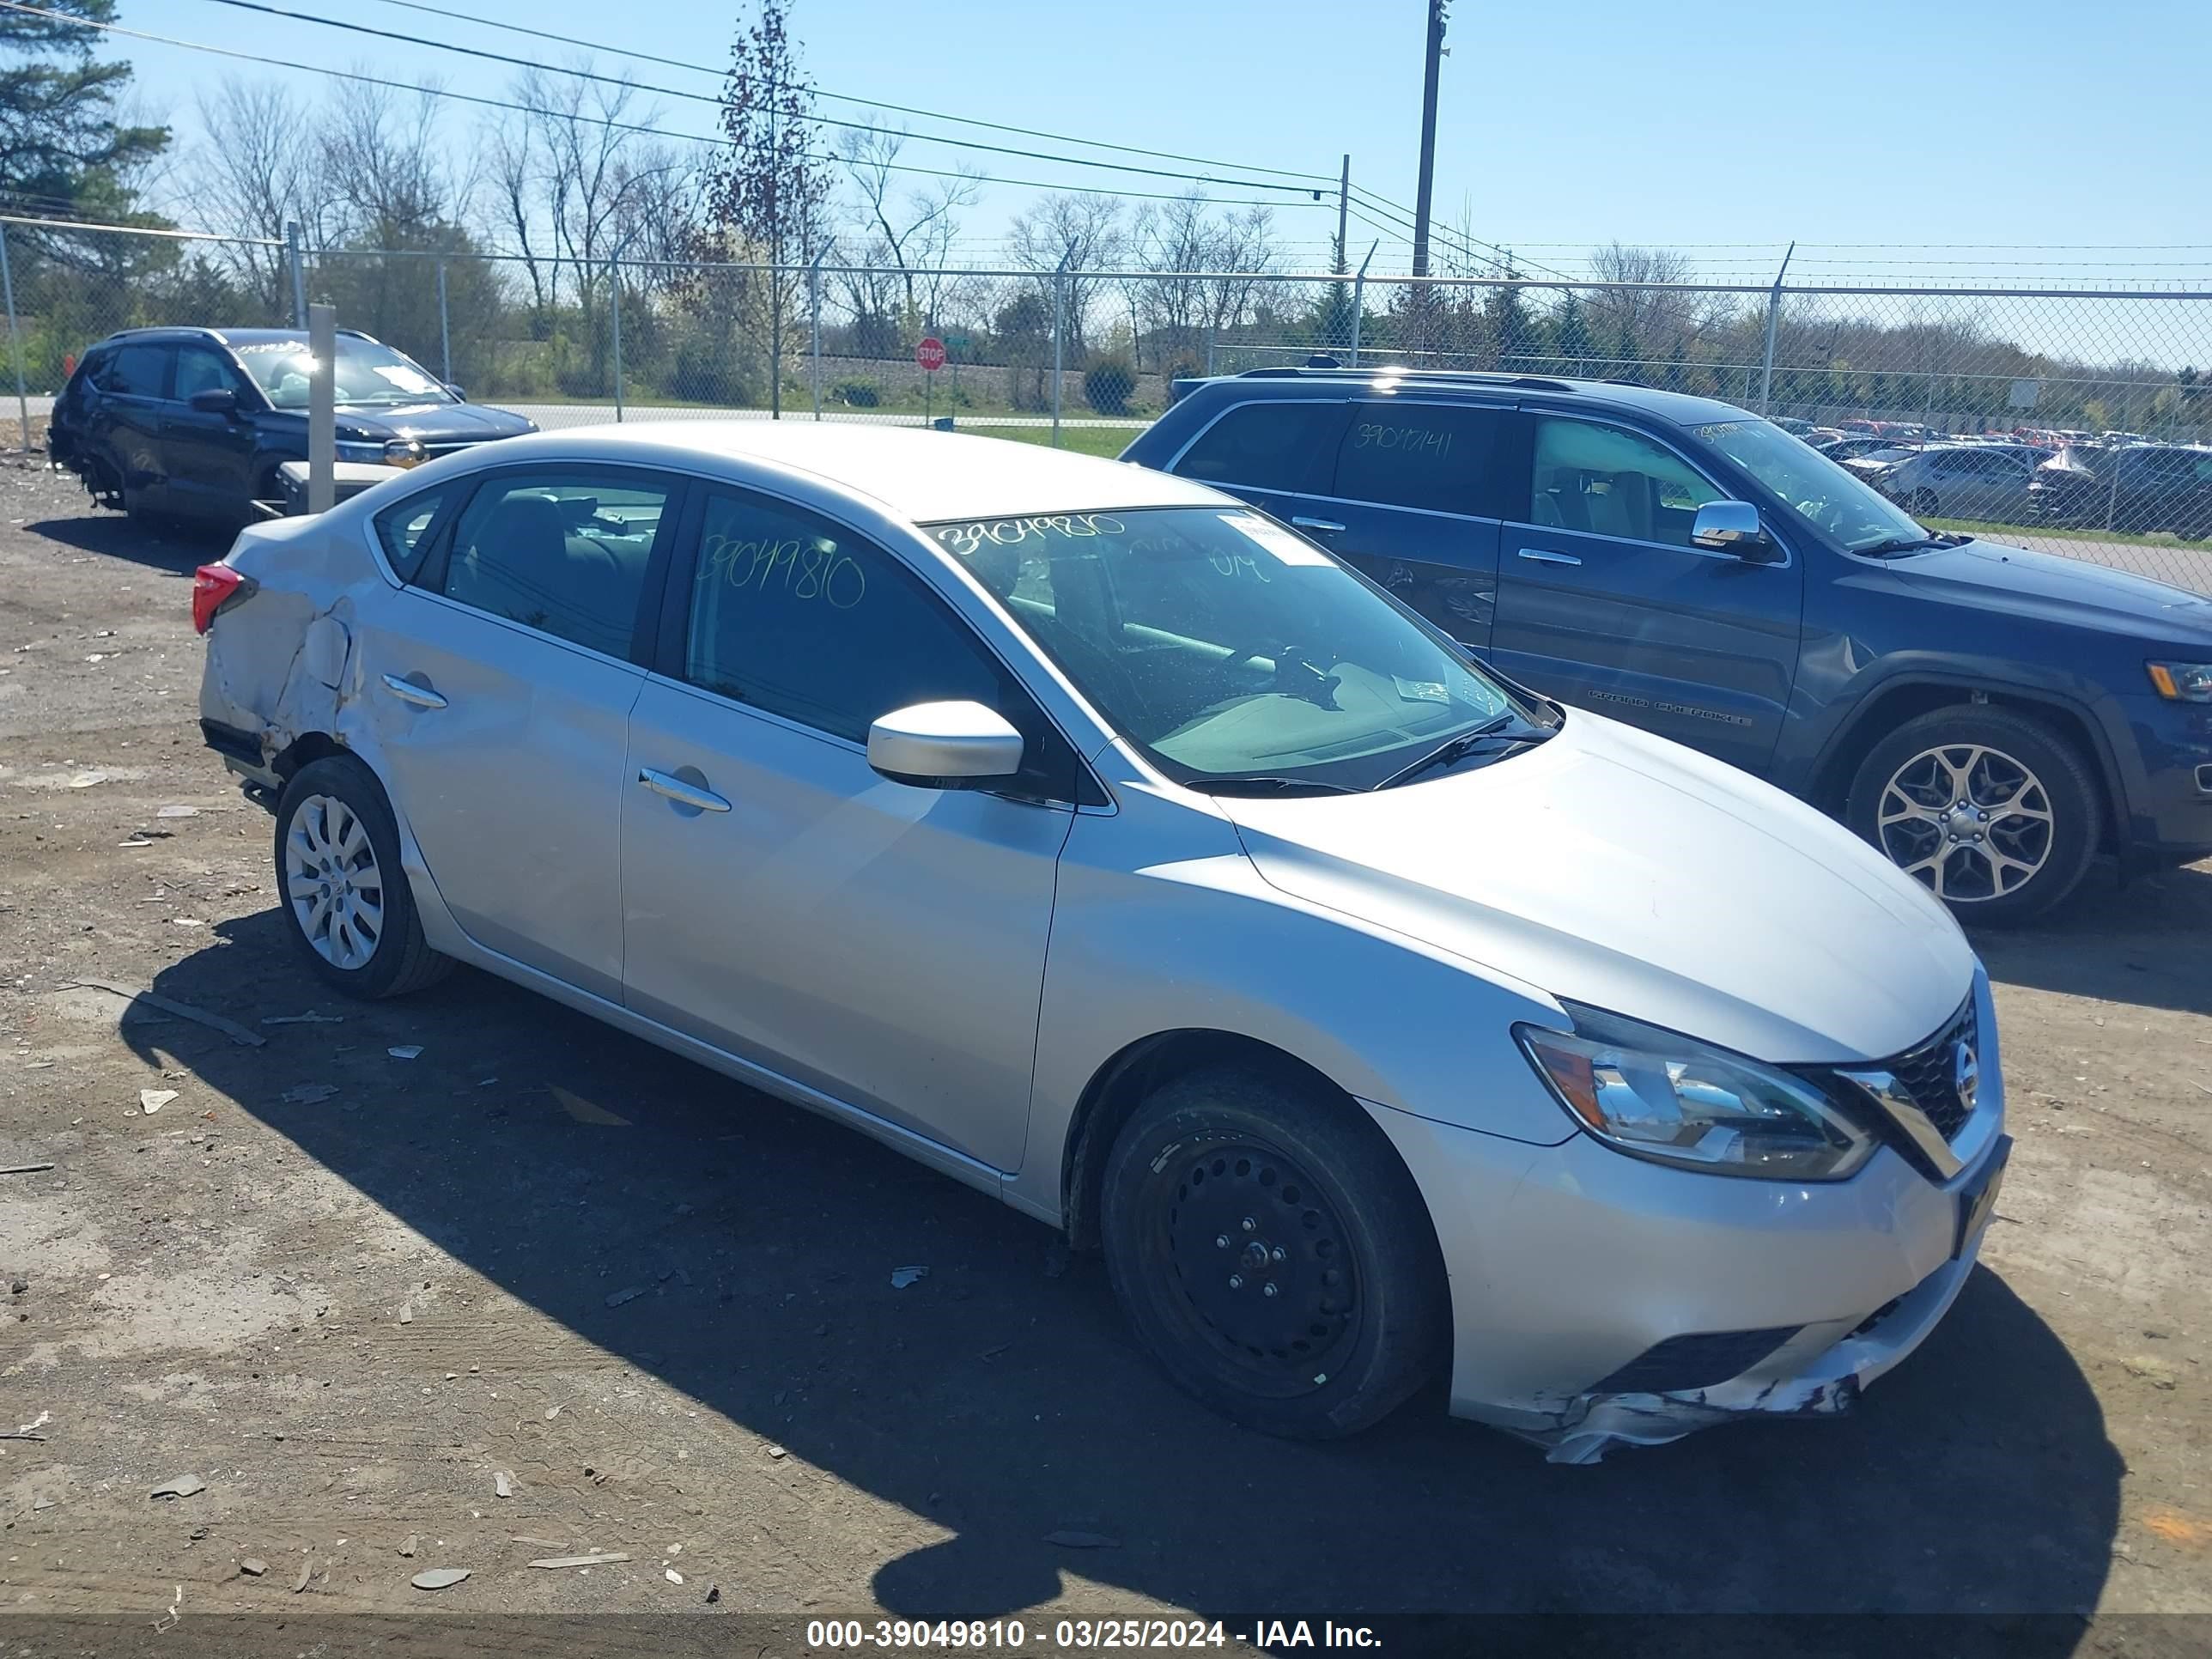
(178, 548)
(1003, 1399)
(2141, 943)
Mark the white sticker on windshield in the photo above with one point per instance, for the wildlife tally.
(405, 378)
(1286, 548)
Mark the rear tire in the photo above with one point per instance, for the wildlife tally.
(1226, 1183)
(1922, 504)
(1995, 812)
(345, 898)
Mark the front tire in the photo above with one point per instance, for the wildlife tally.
(1922, 504)
(1273, 1253)
(345, 898)
(1992, 811)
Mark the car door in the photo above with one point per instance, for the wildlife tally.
(1603, 601)
(877, 943)
(135, 388)
(499, 682)
(1269, 452)
(210, 452)
(1413, 502)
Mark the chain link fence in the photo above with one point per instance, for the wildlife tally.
(2075, 420)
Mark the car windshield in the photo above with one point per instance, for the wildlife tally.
(1818, 488)
(1233, 651)
(368, 374)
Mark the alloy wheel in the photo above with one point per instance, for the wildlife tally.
(332, 882)
(1970, 823)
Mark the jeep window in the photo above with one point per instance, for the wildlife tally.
(1606, 481)
(1265, 445)
(1232, 651)
(1426, 455)
(368, 376)
(1819, 490)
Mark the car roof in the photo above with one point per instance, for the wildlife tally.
(1680, 408)
(224, 336)
(916, 474)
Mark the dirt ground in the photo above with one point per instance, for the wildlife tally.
(359, 1297)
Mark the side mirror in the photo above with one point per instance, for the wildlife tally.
(456, 393)
(216, 400)
(1732, 527)
(944, 746)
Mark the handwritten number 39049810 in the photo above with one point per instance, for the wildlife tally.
(803, 568)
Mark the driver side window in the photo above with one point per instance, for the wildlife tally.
(1606, 481)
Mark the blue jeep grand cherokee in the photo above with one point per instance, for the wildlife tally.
(194, 422)
(1989, 716)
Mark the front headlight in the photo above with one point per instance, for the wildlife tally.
(361, 453)
(1658, 1095)
(2182, 682)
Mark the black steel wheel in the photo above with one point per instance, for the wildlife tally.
(1271, 1251)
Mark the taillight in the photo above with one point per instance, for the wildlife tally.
(214, 587)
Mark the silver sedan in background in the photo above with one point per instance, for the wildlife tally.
(1109, 847)
(1954, 481)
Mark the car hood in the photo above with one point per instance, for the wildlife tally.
(1613, 868)
(437, 424)
(1995, 577)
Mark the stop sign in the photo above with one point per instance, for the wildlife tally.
(930, 354)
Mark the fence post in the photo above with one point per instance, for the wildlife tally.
(814, 310)
(299, 273)
(614, 316)
(1359, 299)
(1773, 325)
(445, 330)
(1209, 351)
(1058, 338)
(322, 409)
(15, 339)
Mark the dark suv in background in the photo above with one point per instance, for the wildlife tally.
(195, 422)
(1990, 717)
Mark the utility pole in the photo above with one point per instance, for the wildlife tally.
(1428, 139)
(1343, 210)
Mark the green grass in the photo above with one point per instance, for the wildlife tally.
(2054, 532)
(1108, 441)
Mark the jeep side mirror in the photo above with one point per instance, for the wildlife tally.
(1732, 527)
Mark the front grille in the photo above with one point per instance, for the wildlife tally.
(1929, 1073)
(1705, 1360)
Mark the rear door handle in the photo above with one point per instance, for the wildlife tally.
(1545, 556)
(407, 691)
(1319, 527)
(682, 794)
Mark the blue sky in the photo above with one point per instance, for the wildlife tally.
(1870, 131)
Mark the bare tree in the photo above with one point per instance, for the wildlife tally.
(260, 174)
(384, 169)
(1179, 244)
(1075, 232)
(1638, 322)
(914, 232)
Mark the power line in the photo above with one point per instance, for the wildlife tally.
(265, 61)
(866, 103)
(489, 56)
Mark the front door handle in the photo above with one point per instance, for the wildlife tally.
(407, 691)
(683, 794)
(1319, 527)
(1545, 556)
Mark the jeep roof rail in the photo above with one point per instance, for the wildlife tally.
(1471, 376)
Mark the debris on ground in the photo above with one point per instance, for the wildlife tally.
(407, 1313)
(714, 1593)
(436, 1578)
(183, 1486)
(307, 1571)
(230, 1028)
(629, 1295)
(24, 1169)
(404, 1050)
(17, 1286)
(28, 1431)
(151, 1100)
(2155, 1372)
(672, 1575)
(503, 1485)
(308, 1094)
(407, 1547)
(178, 812)
(903, 1277)
(311, 1018)
(552, 1562)
(253, 1568)
(1069, 1539)
(778, 1453)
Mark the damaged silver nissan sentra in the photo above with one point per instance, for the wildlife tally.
(1107, 846)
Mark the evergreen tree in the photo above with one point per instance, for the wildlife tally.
(1570, 339)
(63, 152)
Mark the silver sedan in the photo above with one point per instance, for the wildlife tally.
(1109, 847)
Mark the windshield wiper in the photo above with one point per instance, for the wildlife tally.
(1267, 786)
(1456, 749)
(1897, 544)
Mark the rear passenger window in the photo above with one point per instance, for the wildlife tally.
(1425, 455)
(561, 550)
(1267, 445)
(405, 530)
(138, 371)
